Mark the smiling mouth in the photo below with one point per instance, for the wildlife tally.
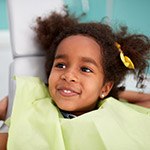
(68, 92)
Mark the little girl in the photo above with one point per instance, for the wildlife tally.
(85, 64)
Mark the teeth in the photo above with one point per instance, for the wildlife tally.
(67, 91)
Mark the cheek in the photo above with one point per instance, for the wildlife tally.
(51, 82)
(95, 86)
(52, 77)
(50, 85)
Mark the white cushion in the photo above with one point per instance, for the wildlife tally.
(22, 16)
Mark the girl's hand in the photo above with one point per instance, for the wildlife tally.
(3, 108)
(142, 99)
(3, 141)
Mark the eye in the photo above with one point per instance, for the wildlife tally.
(86, 69)
(60, 65)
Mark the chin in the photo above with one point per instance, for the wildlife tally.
(66, 108)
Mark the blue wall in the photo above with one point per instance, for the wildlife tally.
(95, 9)
(133, 13)
(3, 15)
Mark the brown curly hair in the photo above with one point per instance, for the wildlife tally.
(53, 29)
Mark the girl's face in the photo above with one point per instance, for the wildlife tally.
(76, 79)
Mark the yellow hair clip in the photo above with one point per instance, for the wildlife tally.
(126, 60)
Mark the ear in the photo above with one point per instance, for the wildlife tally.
(106, 89)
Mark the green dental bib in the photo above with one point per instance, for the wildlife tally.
(37, 124)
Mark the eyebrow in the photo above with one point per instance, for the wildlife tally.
(89, 60)
(60, 56)
(83, 59)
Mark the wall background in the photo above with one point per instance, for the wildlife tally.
(3, 15)
(134, 13)
(5, 50)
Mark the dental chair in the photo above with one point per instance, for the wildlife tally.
(28, 59)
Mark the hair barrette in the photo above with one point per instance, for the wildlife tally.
(125, 59)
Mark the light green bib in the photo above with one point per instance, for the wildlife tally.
(37, 124)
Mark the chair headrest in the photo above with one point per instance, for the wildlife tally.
(22, 16)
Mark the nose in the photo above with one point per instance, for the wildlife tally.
(70, 76)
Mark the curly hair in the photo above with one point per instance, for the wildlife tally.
(53, 29)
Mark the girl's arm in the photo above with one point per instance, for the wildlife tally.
(3, 108)
(142, 99)
(3, 141)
